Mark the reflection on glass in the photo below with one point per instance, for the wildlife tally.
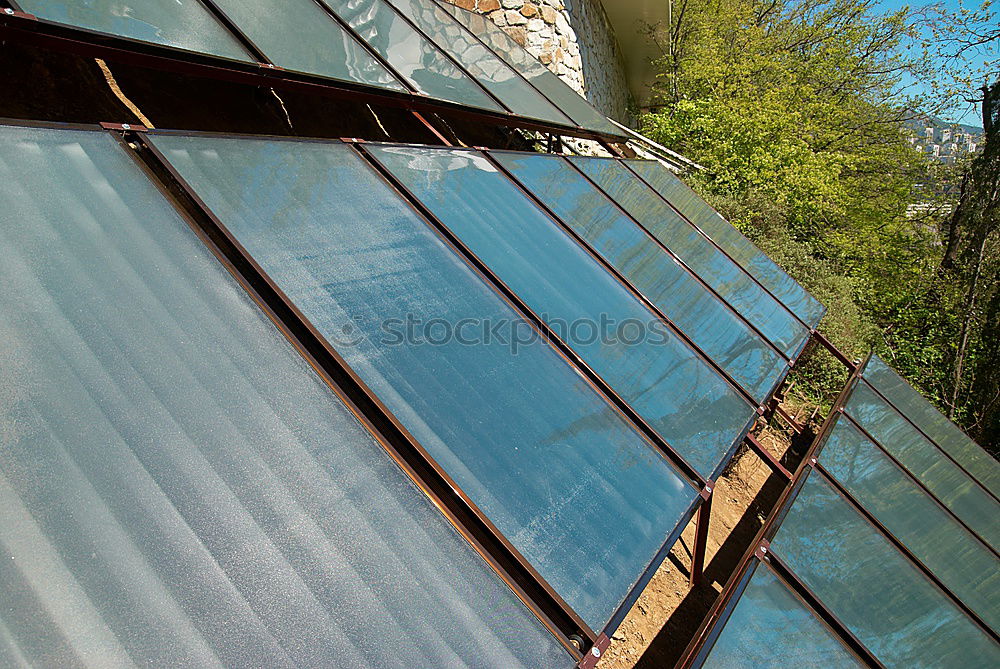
(752, 259)
(178, 487)
(953, 487)
(550, 85)
(717, 330)
(299, 35)
(876, 592)
(955, 556)
(491, 72)
(945, 434)
(771, 627)
(574, 487)
(184, 24)
(650, 367)
(410, 53)
(728, 280)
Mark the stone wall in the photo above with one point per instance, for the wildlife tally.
(573, 38)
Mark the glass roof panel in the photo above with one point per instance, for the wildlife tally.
(710, 324)
(686, 401)
(409, 53)
(179, 487)
(953, 487)
(950, 551)
(491, 72)
(877, 593)
(726, 277)
(945, 433)
(561, 474)
(771, 627)
(550, 85)
(741, 249)
(299, 35)
(184, 24)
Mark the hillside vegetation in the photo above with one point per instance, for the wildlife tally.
(798, 112)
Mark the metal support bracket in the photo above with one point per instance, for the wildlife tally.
(7, 11)
(593, 656)
(133, 127)
(762, 550)
(836, 352)
(769, 459)
(701, 535)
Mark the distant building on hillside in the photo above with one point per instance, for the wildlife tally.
(946, 142)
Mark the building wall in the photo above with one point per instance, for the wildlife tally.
(573, 38)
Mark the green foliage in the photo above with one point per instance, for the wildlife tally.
(795, 109)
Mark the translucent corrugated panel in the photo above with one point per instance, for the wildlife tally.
(409, 53)
(956, 489)
(955, 556)
(650, 367)
(299, 35)
(771, 627)
(934, 424)
(179, 488)
(726, 277)
(877, 593)
(491, 72)
(550, 85)
(572, 485)
(713, 326)
(184, 24)
(741, 249)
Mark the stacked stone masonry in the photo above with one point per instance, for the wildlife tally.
(573, 38)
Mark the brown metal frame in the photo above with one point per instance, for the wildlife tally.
(468, 519)
(682, 263)
(25, 28)
(809, 328)
(624, 281)
(835, 352)
(768, 458)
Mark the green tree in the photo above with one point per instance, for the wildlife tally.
(798, 111)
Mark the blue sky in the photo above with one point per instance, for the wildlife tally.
(968, 113)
